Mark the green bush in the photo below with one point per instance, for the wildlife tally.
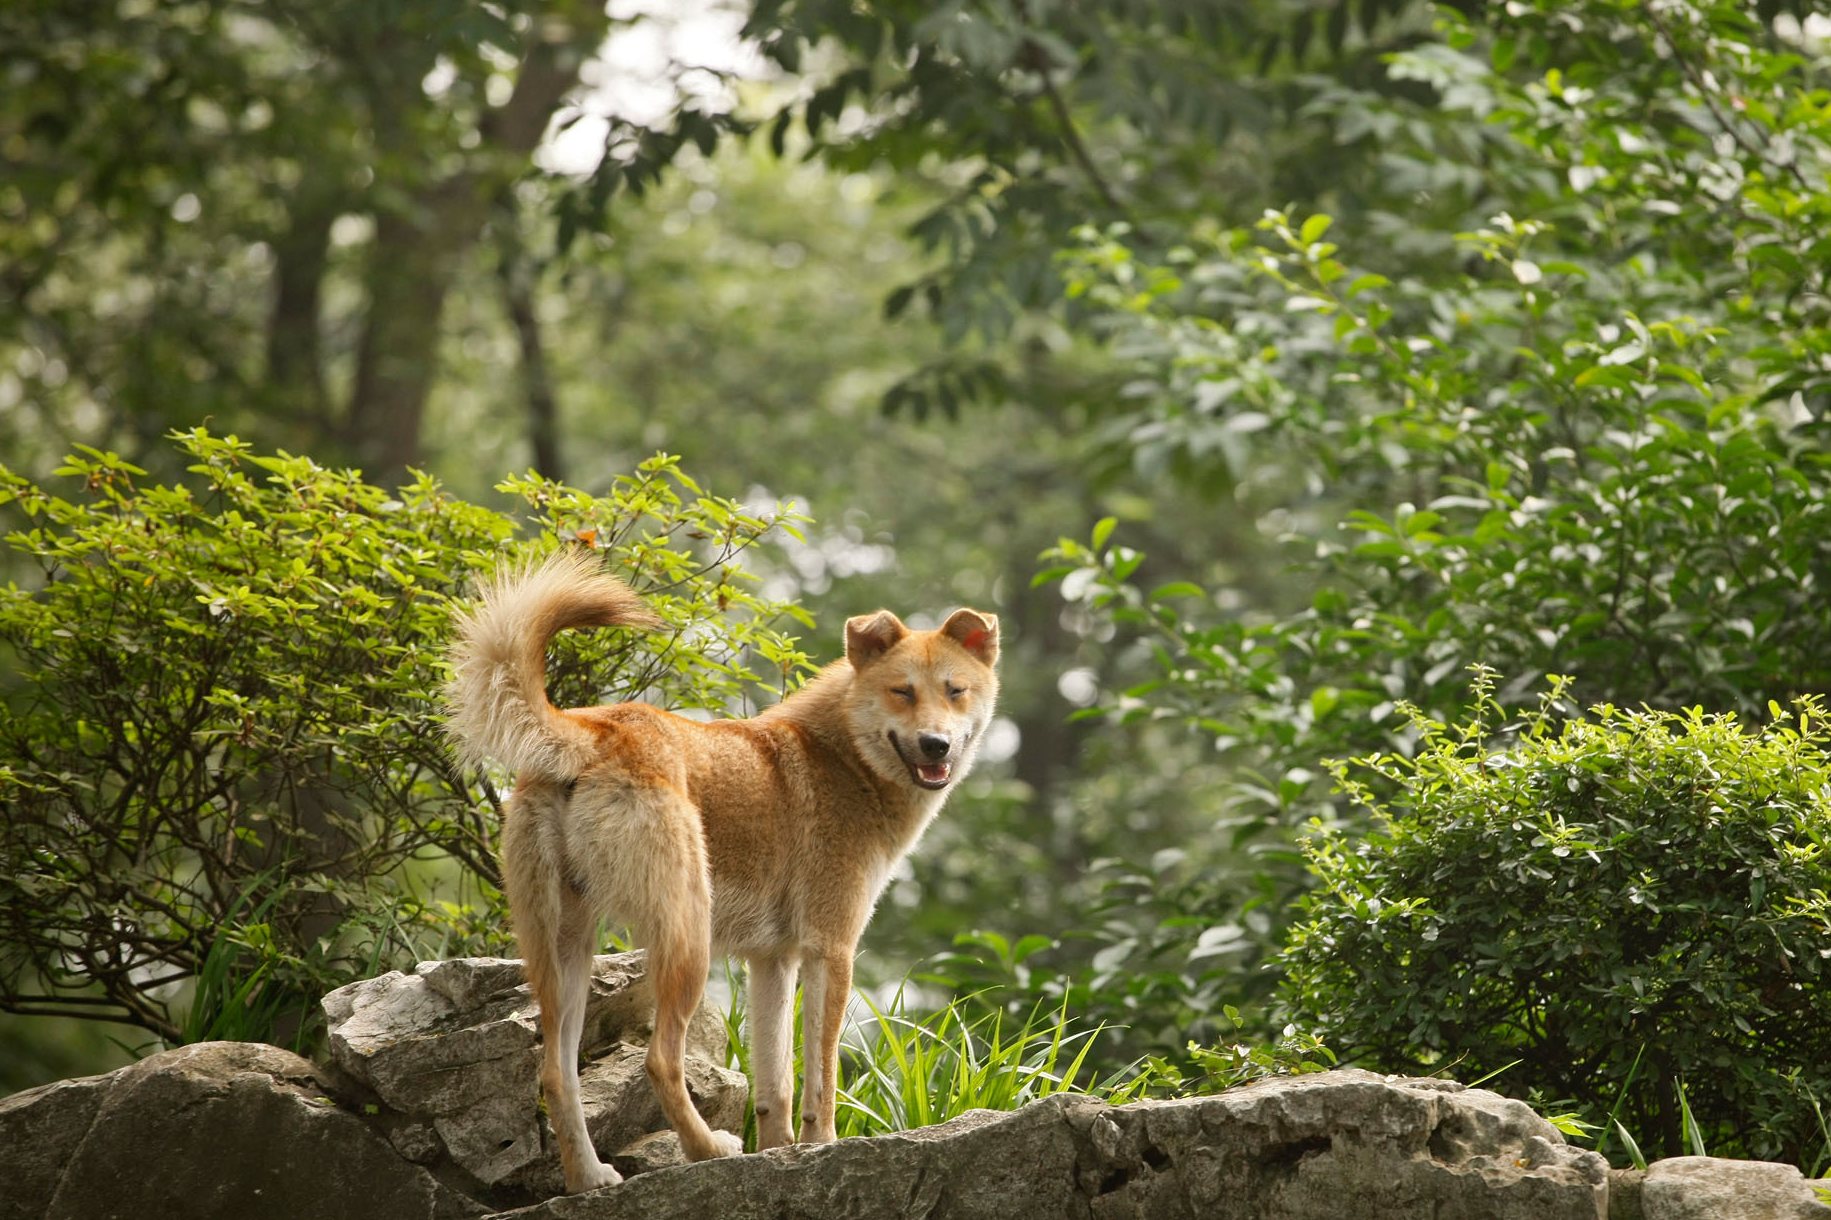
(222, 769)
(1630, 910)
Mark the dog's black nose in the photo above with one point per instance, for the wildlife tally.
(932, 745)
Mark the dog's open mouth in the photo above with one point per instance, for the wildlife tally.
(930, 775)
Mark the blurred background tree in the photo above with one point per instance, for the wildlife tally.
(1328, 348)
(229, 170)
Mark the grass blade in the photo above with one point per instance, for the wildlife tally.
(1694, 1136)
(1633, 1149)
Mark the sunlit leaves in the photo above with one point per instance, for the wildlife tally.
(226, 705)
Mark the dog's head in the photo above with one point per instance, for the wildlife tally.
(921, 700)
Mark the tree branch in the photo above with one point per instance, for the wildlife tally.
(1071, 137)
(1710, 102)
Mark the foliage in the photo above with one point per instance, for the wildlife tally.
(903, 1072)
(289, 192)
(222, 761)
(1215, 1069)
(1034, 118)
(1558, 418)
(1593, 452)
(1152, 975)
(1627, 891)
(253, 213)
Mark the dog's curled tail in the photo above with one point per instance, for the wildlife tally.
(498, 690)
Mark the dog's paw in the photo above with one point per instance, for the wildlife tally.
(593, 1177)
(726, 1144)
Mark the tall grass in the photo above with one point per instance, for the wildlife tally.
(1815, 1164)
(902, 1067)
(236, 999)
(903, 1072)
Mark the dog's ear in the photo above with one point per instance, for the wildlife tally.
(975, 632)
(870, 636)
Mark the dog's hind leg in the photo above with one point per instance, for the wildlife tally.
(555, 929)
(678, 932)
(772, 1003)
(679, 972)
(577, 942)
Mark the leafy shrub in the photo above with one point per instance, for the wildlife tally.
(1223, 1066)
(225, 784)
(1619, 907)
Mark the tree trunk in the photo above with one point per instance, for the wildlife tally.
(518, 278)
(295, 370)
(419, 243)
(415, 254)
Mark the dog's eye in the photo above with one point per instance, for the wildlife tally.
(954, 692)
(905, 692)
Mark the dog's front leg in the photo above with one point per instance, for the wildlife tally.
(824, 997)
(772, 1003)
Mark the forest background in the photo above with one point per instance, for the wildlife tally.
(1293, 379)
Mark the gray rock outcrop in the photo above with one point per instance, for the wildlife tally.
(426, 1108)
(452, 1054)
(1708, 1187)
(1324, 1146)
(233, 1130)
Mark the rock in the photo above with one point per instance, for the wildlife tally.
(494, 1137)
(656, 1150)
(621, 1106)
(248, 1131)
(39, 1130)
(418, 1142)
(1344, 1143)
(429, 1042)
(1624, 1194)
(1711, 1188)
(1302, 1147)
(1017, 1165)
(452, 1051)
(625, 1120)
(224, 1129)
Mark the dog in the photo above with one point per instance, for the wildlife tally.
(768, 838)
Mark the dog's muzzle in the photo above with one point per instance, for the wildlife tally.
(932, 768)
